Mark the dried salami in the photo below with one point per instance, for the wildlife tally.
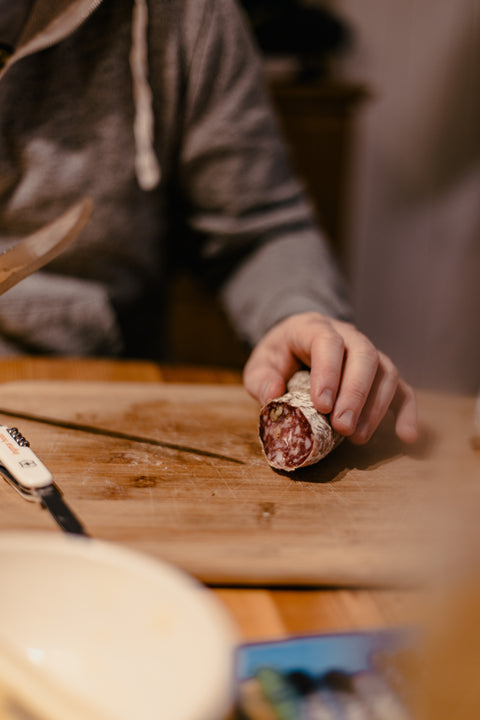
(293, 433)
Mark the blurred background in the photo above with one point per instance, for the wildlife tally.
(379, 104)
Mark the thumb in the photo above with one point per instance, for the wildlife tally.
(263, 381)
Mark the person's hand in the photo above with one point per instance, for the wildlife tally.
(351, 381)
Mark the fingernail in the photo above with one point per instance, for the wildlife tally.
(326, 400)
(347, 420)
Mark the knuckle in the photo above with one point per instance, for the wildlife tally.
(329, 339)
(409, 394)
(389, 368)
(358, 395)
(308, 319)
(321, 335)
(321, 326)
(367, 350)
(392, 376)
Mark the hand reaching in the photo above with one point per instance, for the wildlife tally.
(351, 380)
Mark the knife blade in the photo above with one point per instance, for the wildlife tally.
(52, 500)
(33, 480)
(38, 248)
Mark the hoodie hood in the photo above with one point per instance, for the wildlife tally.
(49, 23)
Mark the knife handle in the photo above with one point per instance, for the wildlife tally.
(20, 462)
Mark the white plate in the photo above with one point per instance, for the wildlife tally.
(130, 636)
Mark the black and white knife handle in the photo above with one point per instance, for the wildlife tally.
(33, 480)
(23, 467)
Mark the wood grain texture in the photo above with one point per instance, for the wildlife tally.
(272, 614)
(71, 368)
(208, 502)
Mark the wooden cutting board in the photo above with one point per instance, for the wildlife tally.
(202, 496)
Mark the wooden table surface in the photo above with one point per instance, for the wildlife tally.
(260, 613)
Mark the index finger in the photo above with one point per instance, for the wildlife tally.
(361, 365)
(327, 360)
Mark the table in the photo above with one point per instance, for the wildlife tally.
(261, 613)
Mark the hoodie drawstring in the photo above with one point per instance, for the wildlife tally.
(147, 167)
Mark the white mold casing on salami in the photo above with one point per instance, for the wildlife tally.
(292, 432)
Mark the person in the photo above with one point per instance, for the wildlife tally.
(157, 110)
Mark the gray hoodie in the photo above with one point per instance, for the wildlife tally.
(157, 110)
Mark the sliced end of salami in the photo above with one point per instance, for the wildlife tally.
(292, 432)
(286, 435)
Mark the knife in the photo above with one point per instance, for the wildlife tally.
(37, 249)
(18, 463)
(31, 478)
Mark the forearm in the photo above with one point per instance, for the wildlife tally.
(291, 274)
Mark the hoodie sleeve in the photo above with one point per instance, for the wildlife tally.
(257, 228)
